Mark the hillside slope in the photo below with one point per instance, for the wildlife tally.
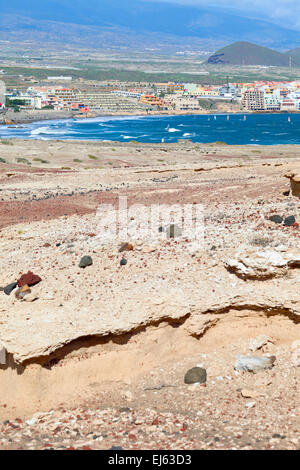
(245, 53)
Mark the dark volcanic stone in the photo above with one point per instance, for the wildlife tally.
(85, 261)
(276, 218)
(289, 221)
(195, 375)
(8, 289)
(123, 262)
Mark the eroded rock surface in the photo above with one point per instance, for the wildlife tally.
(263, 264)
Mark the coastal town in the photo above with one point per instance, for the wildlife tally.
(86, 97)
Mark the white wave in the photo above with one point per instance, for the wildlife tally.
(40, 130)
(173, 129)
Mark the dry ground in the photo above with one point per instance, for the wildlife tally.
(98, 360)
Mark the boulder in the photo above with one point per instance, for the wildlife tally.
(262, 264)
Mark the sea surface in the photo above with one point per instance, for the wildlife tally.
(236, 129)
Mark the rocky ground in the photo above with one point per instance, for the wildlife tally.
(96, 357)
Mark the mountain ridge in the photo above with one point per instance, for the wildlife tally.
(211, 26)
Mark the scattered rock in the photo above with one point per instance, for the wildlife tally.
(276, 218)
(2, 354)
(250, 404)
(85, 261)
(254, 364)
(289, 221)
(8, 289)
(30, 297)
(22, 291)
(126, 247)
(123, 262)
(128, 396)
(29, 279)
(249, 393)
(148, 249)
(259, 342)
(296, 358)
(195, 375)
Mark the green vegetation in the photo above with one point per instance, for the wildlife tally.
(92, 157)
(40, 160)
(2, 160)
(14, 103)
(6, 142)
(23, 160)
(77, 160)
(209, 104)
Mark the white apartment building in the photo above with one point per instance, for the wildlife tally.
(253, 100)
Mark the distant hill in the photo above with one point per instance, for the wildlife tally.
(295, 55)
(245, 53)
(157, 24)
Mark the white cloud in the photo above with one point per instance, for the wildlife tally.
(283, 12)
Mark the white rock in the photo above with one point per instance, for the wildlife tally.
(259, 342)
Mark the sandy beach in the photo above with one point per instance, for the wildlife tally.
(96, 357)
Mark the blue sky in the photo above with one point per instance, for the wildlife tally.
(283, 12)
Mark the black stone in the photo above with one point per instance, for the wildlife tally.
(289, 221)
(276, 218)
(8, 289)
(195, 375)
(85, 261)
(123, 262)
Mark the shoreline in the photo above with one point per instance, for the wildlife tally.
(7, 119)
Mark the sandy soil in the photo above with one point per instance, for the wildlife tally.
(99, 358)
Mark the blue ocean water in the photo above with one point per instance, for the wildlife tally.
(237, 129)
